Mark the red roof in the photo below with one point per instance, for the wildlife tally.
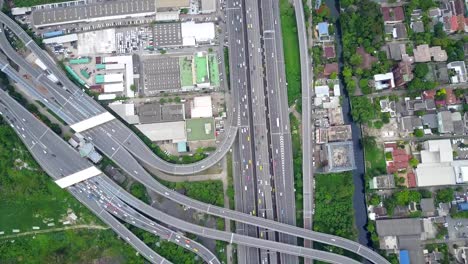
(393, 14)
(392, 145)
(329, 52)
(329, 68)
(453, 23)
(451, 98)
(411, 179)
(400, 161)
(430, 94)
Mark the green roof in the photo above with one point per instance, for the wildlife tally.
(99, 79)
(80, 61)
(84, 73)
(214, 69)
(100, 66)
(73, 73)
(200, 129)
(201, 68)
(186, 74)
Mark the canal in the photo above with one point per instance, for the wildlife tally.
(359, 201)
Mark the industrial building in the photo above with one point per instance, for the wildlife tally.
(61, 39)
(207, 6)
(200, 129)
(201, 107)
(173, 132)
(125, 111)
(129, 74)
(98, 11)
(157, 113)
(194, 34)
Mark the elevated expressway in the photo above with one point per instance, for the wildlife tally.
(117, 141)
(102, 192)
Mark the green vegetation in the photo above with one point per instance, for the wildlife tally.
(28, 3)
(70, 246)
(442, 248)
(230, 189)
(374, 157)
(205, 191)
(139, 191)
(363, 109)
(444, 195)
(403, 197)
(418, 133)
(186, 76)
(297, 168)
(414, 162)
(291, 51)
(226, 66)
(168, 250)
(334, 213)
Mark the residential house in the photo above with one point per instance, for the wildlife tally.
(410, 123)
(395, 51)
(387, 106)
(427, 207)
(430, 120)
(445, 122)
(339, 133)
(457, 72)
(416, 21)
(330, 68)
(402, 73)
(322, 29)
(382, 182)
(367, 59)
(329, 51)
(384, 81)
(397, 31)
(399, 162)
(423, 53)
(392, 15)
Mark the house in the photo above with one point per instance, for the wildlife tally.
(322, 91)
(330, 68)
(416, 21)
(423, 53)
(427, 207)
(329, 52)
(382, 182)
(398, 30)
(457, 72)
(387, 106)
(384, 81)
(395, 51)
(445, 122)
(322, 30)
(430, 120)
(393, 15)
(399, 162)
(410, 123)
(402, 73)
(367, 59)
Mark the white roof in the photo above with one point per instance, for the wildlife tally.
(336, 90)
(40, 64)
(439, 151)
(115, 66)
(78, 177)
(113, 87)
(113, 77)
(61, 39)
(378, 78)
(128, 62)
(107, 96)
(167, 16)
(435, 174)
(16, 11)
(322, 91)
(208, 6)
(201, 32)
(167, 131)
(92, 121)
(201, 107)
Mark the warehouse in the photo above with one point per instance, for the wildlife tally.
(61, 39)
(201, 107)
(96, 42)
(169, 131)
(197, 33)
(129, 75)
(93, 12)
(113, 87)
(109, 78)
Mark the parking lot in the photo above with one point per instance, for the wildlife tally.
(161, 74)
(133, 39)
(457, 228)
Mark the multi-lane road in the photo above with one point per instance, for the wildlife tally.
(117, 141)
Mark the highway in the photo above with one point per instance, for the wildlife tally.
(76, 101)
(278, 117)
(104, 191)
(240, 83)
(129, 142)
(307, 123)
(52, 154)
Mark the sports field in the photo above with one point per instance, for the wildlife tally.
(186, 76)
(214, 70)
(200, 129)
(201, 68)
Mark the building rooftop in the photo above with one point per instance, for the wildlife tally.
(155, 113)
(427, 205)
(200, 129)
(399, 227)
(340, 156)
(339, 133)
(201, 107)
(323, 28)
(383, 182)
(168, 131)
(393, 14)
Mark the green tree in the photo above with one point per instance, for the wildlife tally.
(445, 195)
(133, 87)
(418, 132)
(362, 109)
(414, 162)
(404, 197)
(421, 70)
(355, 59)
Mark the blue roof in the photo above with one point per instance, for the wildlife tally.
(463, 206)
(181, 147)
(323, 28)
(404, 257)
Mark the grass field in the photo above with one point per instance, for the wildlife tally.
(186, 76)
(214, 69)
(375, 157)
(201, 64)
(196, 129)
(26, 3)
(334, 213)
(291, 51)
